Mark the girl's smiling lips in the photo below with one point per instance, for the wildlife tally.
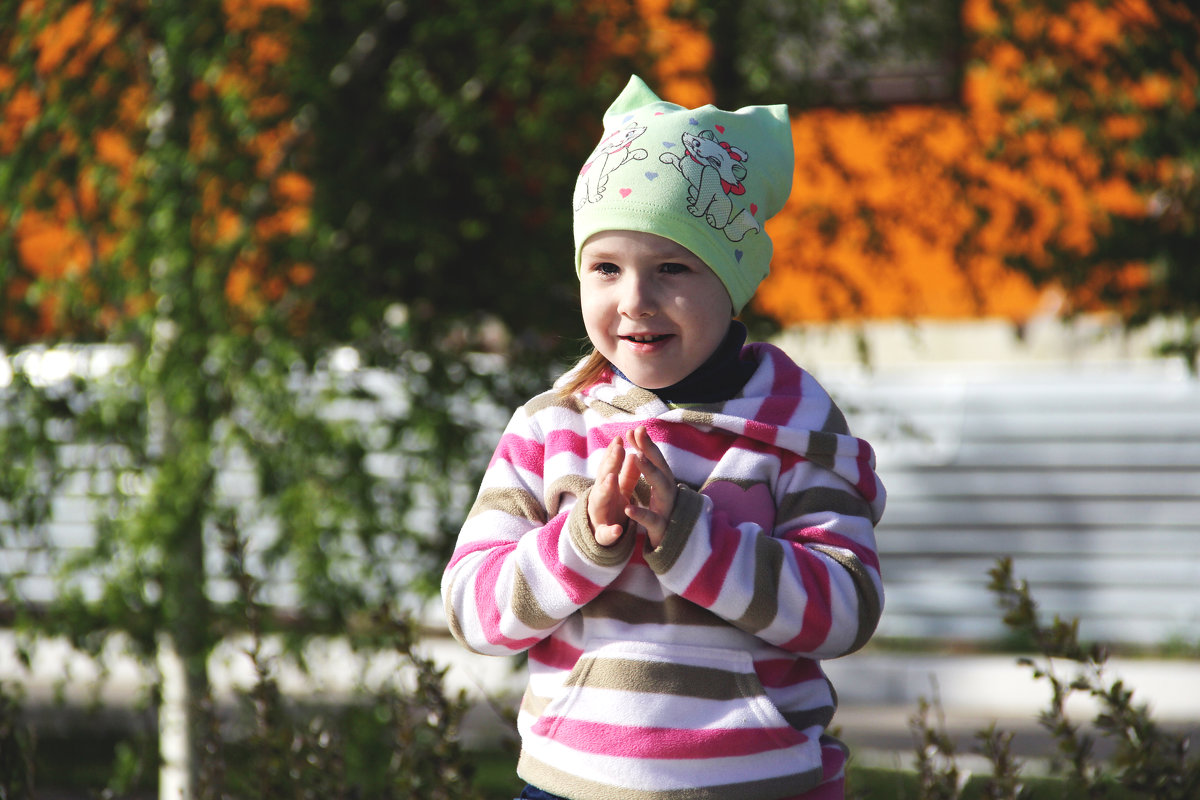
(647, 343)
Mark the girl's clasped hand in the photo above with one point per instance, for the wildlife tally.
(612, 504)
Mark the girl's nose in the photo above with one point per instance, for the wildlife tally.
(637, 298)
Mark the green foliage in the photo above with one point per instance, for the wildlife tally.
(396, 741)
(30, 475)
(16, 750)
(824, 51)
(1147, 761)
(1005, 781)
(393, 739)
(938, 776)
(447, 141)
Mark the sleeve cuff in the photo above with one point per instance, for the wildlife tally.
(689, 506)
(582, 536)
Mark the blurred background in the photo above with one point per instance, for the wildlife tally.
(273, 274)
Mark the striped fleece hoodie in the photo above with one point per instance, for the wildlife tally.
(688, 671)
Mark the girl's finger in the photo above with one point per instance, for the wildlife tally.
(644, 516)
(630, 472)
(655, 475)
(651, 462)
(608, 534)
(647, 447)
(612, 456)
(602, 500)
(662, 488)
(654, 524)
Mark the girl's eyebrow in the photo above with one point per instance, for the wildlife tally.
(656, 255)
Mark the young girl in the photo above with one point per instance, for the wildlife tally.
(683, 527)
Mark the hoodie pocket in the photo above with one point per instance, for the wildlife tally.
(649, 700)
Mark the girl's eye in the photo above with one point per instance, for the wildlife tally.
(606, 268)
(674, 268)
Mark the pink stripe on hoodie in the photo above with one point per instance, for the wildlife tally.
(486, 579)
(523, 453)
(817, 620)
(706, 586)
(600, 738)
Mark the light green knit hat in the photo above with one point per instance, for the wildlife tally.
(705, 178)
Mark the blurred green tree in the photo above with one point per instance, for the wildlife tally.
(830, 52)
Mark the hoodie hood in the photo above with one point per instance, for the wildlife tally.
(781, 405)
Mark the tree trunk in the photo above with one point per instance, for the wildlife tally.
(183, 493)
(182, 407)
(178, 723)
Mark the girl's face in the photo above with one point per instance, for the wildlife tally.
(650, 306)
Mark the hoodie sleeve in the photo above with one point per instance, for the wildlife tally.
(519, 570)
(810, 584)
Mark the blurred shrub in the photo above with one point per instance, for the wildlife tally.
(1147, 761)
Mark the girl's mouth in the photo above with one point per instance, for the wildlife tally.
(650, 339)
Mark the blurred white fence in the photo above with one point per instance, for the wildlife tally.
(1087, 474)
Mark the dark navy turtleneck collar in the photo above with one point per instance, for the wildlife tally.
(718, 379)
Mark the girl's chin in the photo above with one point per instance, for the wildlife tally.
(649, 378)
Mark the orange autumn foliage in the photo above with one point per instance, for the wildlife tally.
(22, 108)
(113, 149)
(247, 15)
(66, 212)
(60, 36)
(681, 51)
(42, 239)
(678, 48)
(907, 212)
(874, 220)
(63, 232)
